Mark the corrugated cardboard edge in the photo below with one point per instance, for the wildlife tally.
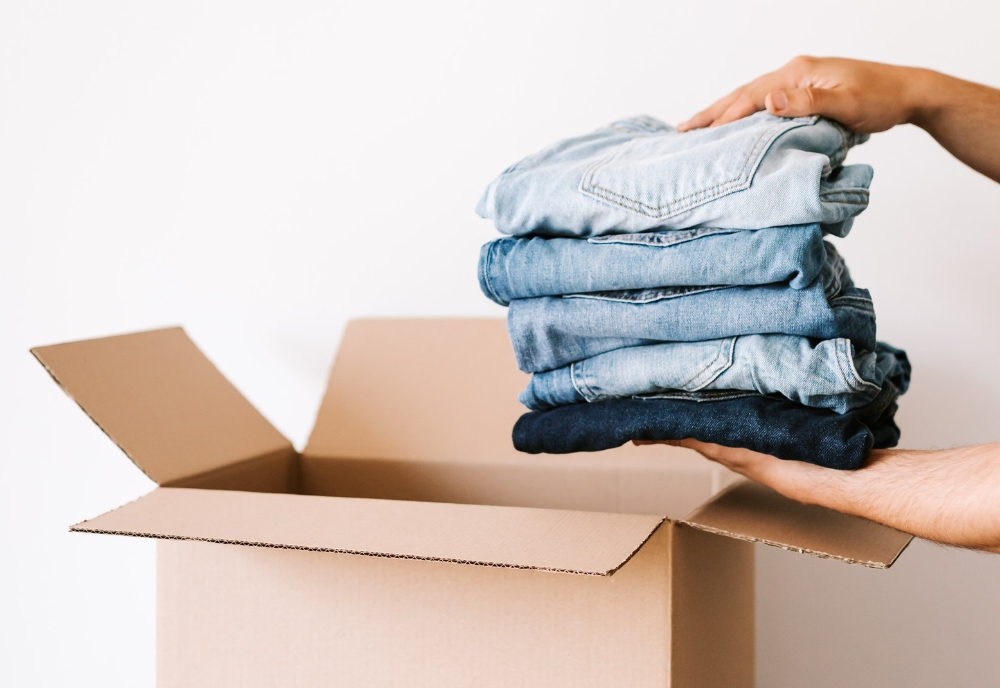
(81, 527)
(743, 484)
(798, 550)
(497, 565)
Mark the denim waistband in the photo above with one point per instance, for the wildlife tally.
(519, 268)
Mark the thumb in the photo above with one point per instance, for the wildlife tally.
(802, 102)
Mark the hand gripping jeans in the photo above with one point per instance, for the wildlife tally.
(640, 174)
(524, 268)
(763, 424)
(827, 374)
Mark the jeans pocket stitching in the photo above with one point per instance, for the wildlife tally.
(678, 205)
(722, 362)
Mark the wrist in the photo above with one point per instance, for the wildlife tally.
(927, 93)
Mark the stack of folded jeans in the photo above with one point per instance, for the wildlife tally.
(664, 286)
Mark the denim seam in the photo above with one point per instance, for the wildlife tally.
(640, 301)
(711, 193)
(712, 369)
(849, 371)
(843, 142)
(580, 385)
(646, 239)
(486, 272)
(856, 191)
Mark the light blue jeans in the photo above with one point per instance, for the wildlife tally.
(523, 268)
(828, 374)
(640, 174)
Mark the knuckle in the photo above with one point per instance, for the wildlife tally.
(812, 98)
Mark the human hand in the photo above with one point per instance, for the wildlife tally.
(950, 495)
(796, 480)
(866, 97)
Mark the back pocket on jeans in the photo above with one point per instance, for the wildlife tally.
(660, 176)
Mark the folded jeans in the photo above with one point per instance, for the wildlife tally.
(550, 332)
(764, 424)
(520, 268)
(640, 174)
(827, 374)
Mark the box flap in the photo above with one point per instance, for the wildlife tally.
(158, 398)
(447, 388)
(750, 511)
(568, 541)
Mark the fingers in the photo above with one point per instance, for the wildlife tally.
(802, 102)
(709, 114)
(794, 479)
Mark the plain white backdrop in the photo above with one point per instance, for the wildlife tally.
(262, 172)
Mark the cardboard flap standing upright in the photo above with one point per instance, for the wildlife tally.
(483, 565)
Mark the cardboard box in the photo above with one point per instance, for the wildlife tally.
(410, 544)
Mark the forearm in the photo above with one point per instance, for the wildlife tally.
(962, 116)
(950, 496)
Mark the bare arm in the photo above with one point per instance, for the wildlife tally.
(950, 496)
(869, 97)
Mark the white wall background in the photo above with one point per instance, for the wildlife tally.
(261, 172)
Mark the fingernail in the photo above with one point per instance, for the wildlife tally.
(682, 127)
(779, 100)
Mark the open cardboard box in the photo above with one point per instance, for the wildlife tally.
(410, 544)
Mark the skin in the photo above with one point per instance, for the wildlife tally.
(950, 496)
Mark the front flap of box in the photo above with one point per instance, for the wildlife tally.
(421, 389)
(158, 398)
(578, 542)
(750, 511)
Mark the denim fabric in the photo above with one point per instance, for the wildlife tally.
(764, 424)
(529, 267)
(551, 332)
(827, 374)
(640, 174)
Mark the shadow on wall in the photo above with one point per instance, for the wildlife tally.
(895, 625)
(947, 407)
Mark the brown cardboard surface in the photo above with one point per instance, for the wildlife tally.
(446, 387)
(246, 617)
(664, 481)
(159, 399)
(551, 540)
(713, 610)
(422, 409)
(749, 511)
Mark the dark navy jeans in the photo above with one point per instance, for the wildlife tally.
(765, 424)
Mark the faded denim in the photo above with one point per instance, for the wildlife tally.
(524, 268)
(640, 174)
(828, 374)
(764, 424)
(550, 332)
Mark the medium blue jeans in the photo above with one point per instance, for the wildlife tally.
(640, 174)
(524, 268)
(551, 332)
(827, 374)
